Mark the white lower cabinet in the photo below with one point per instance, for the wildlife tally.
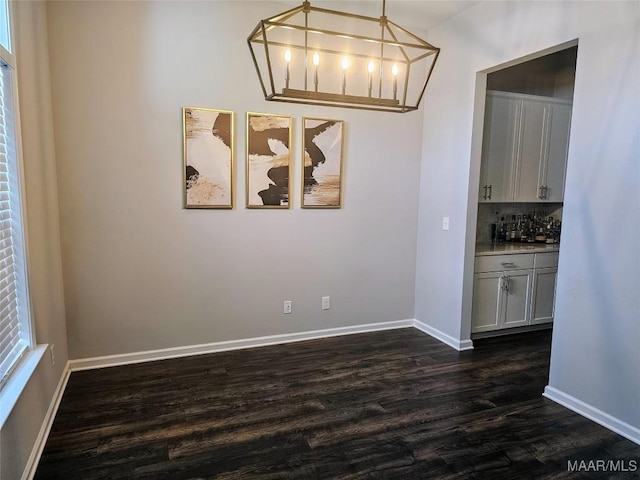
(544, 294)
(487, 300)
(516, 298)
(514, 293)
(501, 299)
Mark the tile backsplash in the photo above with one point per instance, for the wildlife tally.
(487, 215)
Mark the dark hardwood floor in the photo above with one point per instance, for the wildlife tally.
(387, 405)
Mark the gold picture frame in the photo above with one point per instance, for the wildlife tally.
(322, 161)
(268, 169)
(208, 158)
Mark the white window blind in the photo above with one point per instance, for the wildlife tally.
(14, 332)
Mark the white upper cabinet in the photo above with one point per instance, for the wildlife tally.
(530, 158)
(525, 148)
(499, 147)
(557, 151)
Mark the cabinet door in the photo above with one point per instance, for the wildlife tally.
(516, 305)
(532, 151)
(557, 150)
(487, 296)
(544, 293)
(499, 149)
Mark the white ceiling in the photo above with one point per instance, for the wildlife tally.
(422, 14)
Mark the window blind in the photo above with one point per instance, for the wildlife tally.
(13, 340)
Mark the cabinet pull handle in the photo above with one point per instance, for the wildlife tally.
(541, 194)
(545, 192)
(490, 191)
(503, 283)
(485, 192)
(507, 264)
(508, 283)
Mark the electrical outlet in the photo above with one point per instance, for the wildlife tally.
(53, 354)
(326, 303)
(445, 223)
(287, 306)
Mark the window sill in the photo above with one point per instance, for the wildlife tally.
(10, 393)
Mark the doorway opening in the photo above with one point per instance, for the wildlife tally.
(521, 137)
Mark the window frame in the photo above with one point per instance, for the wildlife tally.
(23, 368)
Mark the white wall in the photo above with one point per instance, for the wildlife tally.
(595, 354)
(141, 272)
(19, 432)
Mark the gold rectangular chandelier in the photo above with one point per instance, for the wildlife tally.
(326, 57)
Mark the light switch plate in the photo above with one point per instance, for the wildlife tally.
(326, 303)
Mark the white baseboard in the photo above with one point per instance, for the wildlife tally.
(459, 345)
(592, 413)
(166, 353)
(41, 440)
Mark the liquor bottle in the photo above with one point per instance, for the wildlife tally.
(512, 228)
(502, 235)
(494, 230)
(549, 232)
(523, 229)
(523, 234)
(558, 231)
(531, 235)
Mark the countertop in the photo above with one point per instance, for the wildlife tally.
(513, 248)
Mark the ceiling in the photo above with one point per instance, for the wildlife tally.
(422, 14)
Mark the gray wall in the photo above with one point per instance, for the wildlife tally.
(19, 433)
(140, 272)
(595, 353)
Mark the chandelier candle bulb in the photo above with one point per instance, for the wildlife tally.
(370, 68)
(345, 65)
(316, 61)
(394, 72)
(287, 61)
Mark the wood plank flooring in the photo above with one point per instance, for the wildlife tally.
(386, 405)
